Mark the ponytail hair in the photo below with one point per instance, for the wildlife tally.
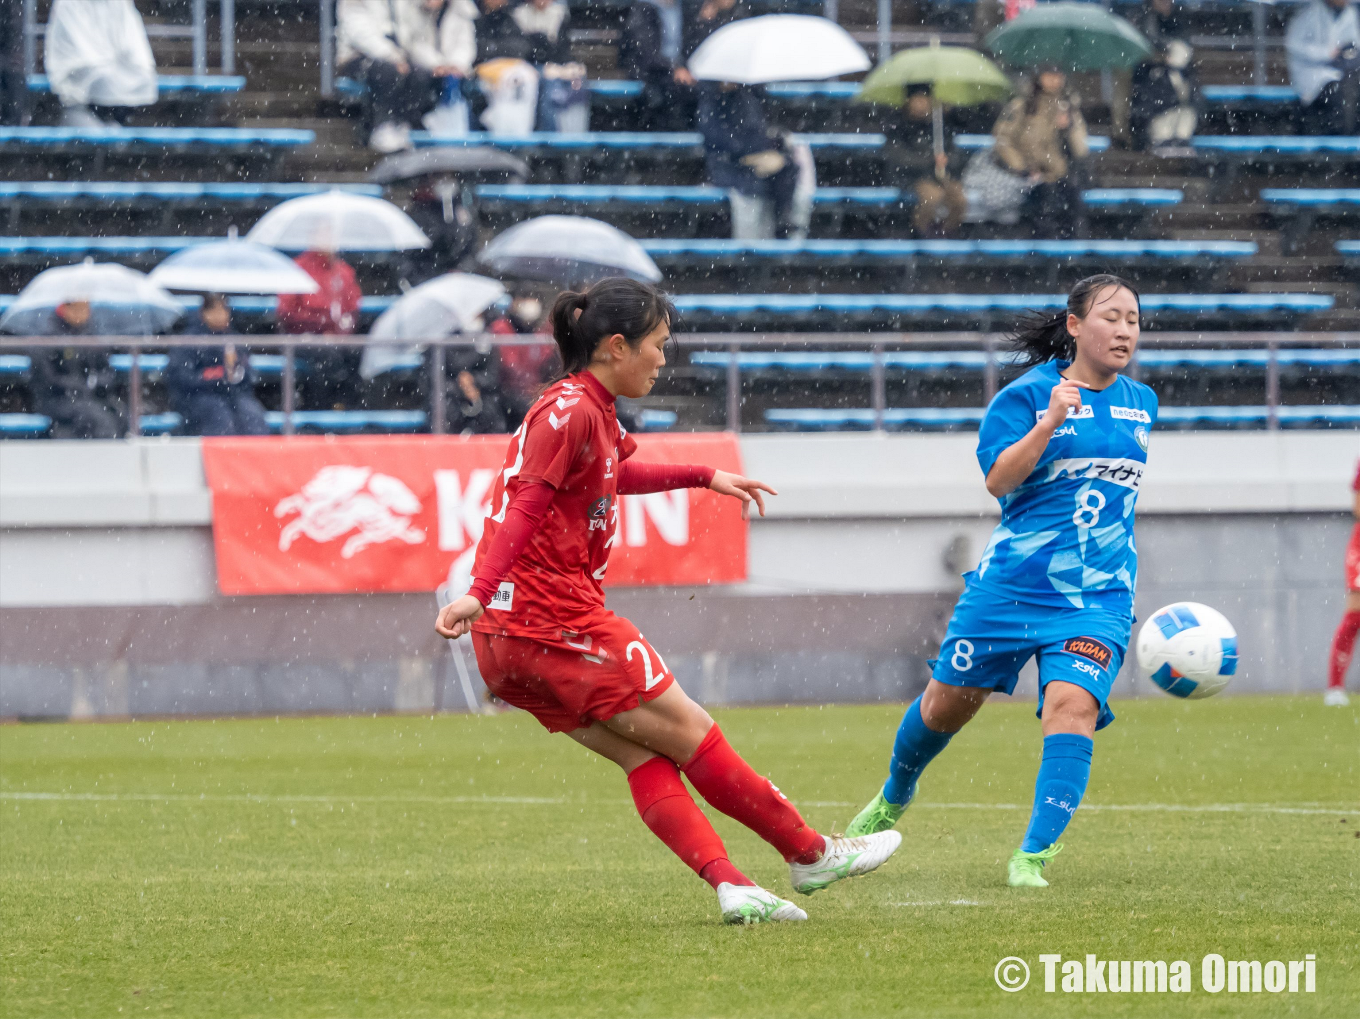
(1045, 338)
(617, 304)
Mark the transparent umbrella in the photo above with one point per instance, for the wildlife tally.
(778, 47)
(232, 267)
(447, 304)
(338, 221)
(123, 302)
(568, 250)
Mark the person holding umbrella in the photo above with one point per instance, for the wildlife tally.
(912, 161)
(1042, 137)
(331, 310)
(74, 386)
(213, 388)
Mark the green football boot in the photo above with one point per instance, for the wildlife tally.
(1026, 870)
(879, 815)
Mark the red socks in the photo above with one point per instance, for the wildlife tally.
(671, 813)
(1342, 645)
(732, 785)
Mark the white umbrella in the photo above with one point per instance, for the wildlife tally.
(123, 302)
(338, 221)
(568, 249)
(447, 304)
(778, 47)
(233, 267)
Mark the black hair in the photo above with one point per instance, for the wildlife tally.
(617, 304)
(1045, 337)
(213, 301)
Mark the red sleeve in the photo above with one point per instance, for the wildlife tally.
(554, 440)
(528, 506)
(637, 478)
(1355, 485)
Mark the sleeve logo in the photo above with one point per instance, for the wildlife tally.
(1073, 414)
(1089, 647)
(1131, 414)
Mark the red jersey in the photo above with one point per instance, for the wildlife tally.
(571, 439)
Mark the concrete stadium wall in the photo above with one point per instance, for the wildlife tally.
(109, 605)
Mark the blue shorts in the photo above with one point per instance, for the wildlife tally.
(991, 637)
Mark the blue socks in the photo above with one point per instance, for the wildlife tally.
(1063, 774)
(915, 747)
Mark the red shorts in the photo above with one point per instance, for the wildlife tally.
(582, 678)
(1353, 561)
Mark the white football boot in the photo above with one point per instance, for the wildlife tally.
(844, 858)
(1335, 698)
(752, 904)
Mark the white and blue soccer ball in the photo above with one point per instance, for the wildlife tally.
(1188, 649)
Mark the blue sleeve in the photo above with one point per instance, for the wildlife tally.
(1153, 404)
(1009, 418)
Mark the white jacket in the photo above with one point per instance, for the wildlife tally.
(96, 51)
(395, 30)
(1314, 33)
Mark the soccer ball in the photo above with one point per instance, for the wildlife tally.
(1188, 649)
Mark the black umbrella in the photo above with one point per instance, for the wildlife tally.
(451, 160)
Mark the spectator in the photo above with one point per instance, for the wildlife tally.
(1042, 136)
(1323, 43)
(524, 368)
(652, 51)
(1165, 98)
(563, 101)
(1161, 24)
(74, 386)
(13, 87)
(474, 406)
(332, 372)
(912, 162)
(704, 17)
(213, 388)
(499, 36)
(97, 55)
(755, 164)
(408, 54)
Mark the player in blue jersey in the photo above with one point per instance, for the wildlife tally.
(1063, 449)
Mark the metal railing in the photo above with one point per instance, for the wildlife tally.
(877, 344)
(196, 30)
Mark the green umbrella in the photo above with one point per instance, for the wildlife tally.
(956, 76)
(1071, 36)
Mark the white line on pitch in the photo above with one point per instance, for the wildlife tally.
(1209, 808)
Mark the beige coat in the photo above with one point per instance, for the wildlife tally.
(1033, 143)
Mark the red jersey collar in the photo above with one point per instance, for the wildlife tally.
(595, 387)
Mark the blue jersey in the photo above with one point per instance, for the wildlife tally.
(1066, 534)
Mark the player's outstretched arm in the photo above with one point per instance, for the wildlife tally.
(1017, 461)
(745, 489)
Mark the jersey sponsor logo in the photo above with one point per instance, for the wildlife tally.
(1131, 414)
(1065, 430)
(504, 598)
(1089, 647)
(1073, 413)
(356, 503)
(1116, 470)
(599, 512)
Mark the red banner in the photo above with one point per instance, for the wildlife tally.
(324, 515)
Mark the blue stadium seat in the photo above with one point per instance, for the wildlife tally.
(1300, 208)
(15, 366)
(1250, 95)
(652, 194)
(1278, 144)
(161, 195)
(624, 88)
(813, 89)
(24, 426)
(973, 142)
(1101, 198)
(1349, 250)
(170, 84)
(821, 252)
(861, 419)
(840, 360)
(656, 420)
(165, 423)
(350, 421)
(181, 138)
(1294, 415)
(628, 141)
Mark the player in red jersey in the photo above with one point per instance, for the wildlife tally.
(1344, 641)
(546, 643)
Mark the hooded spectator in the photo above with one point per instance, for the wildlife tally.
(74, 386)
(96, 54)
(754, 163)
(408, 54)
(652, 51)
(213, 388)
(1042, 137)
(1323, 43)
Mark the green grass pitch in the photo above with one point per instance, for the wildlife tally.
(476, 866)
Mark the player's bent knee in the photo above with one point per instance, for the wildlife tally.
(946, 708)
